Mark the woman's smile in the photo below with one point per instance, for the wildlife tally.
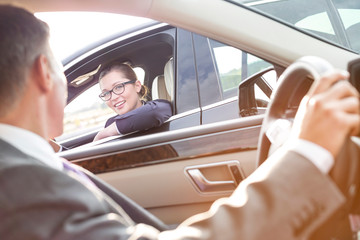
(120, 104)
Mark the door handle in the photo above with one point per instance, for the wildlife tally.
(206, 185)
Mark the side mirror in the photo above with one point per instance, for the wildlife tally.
(248, 103)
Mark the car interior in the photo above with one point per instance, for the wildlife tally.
(176, 174)
(188, 169)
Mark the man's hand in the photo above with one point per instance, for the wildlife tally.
(329, 112)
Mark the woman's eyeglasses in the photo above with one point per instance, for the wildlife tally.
(117, 89)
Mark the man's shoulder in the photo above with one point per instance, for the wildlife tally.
(12, 156)
(22, 174)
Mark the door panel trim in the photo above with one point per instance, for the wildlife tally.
(206, 145)
(166, 191)
(210, 139)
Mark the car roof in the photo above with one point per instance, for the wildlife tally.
(248, 33)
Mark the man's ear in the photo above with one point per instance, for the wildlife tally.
(42, 73)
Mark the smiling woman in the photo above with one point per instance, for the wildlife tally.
(127, 97)
(71, 31)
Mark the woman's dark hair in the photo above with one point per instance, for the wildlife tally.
(128, 73)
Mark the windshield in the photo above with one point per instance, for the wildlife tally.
(336, 21)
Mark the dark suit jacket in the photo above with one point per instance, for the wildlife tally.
(287, 198)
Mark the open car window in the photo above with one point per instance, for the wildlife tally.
(88, 112)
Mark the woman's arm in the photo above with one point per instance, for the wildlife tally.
(151, 114)
(111, 130)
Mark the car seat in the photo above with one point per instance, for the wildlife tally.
(163, 85)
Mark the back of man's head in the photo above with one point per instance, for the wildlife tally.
(23, 39)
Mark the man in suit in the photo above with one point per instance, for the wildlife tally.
(288, 197)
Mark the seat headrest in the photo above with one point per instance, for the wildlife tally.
(158, 88)
(169, 78)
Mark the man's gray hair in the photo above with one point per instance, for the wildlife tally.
(23, 37)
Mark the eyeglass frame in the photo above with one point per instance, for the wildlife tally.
(112, 90)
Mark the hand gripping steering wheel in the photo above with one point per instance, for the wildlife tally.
(293, 85)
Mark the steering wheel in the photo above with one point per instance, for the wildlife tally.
(293, 85)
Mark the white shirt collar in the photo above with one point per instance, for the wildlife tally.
(30, 144)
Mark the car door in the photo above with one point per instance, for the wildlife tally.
(179, 169)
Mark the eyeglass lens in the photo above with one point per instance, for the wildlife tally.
(117, 89)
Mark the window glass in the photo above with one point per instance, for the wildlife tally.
(350, 17)
(207, 75)
(318, 22)
(228, 61)
(336, 21)
(88, 112)
(187, 93)
(351, 21)
(234, 65)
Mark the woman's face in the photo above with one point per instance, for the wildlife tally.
(128, 100)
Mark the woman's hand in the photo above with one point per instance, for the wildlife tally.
(111, 130)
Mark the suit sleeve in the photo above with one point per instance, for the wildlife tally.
(151, 114)
(37, 202)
